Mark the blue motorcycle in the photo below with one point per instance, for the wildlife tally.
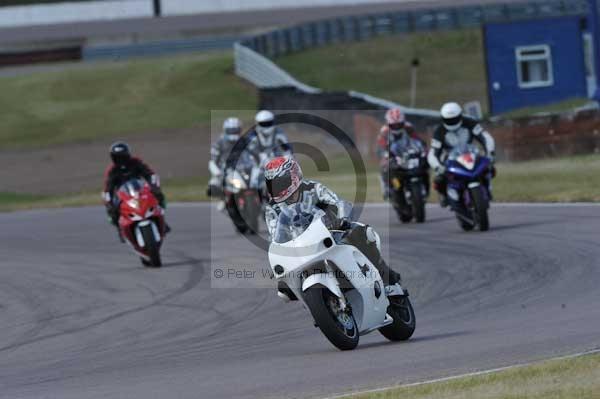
(469, 175)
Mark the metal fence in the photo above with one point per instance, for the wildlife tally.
(362, 27)
(262, 72)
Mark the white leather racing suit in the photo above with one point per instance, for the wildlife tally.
(312, 194)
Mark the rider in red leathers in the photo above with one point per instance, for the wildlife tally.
(124, 166)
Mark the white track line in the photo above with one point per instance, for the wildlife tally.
(456, 377)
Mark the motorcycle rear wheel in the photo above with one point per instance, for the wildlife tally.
(404, 323)
(152, 247)
(339, 327)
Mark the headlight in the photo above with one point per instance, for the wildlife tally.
(238, 184)
(133, 203)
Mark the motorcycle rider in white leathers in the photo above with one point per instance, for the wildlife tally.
(455, 129)
(286, 186)
(266, 140)
(232, 128)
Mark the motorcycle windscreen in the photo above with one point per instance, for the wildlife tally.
(132, 187)
(293, 221)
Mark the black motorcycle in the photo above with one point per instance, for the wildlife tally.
(409, 179)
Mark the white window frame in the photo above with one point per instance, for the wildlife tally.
(547, 56)
(590, 63)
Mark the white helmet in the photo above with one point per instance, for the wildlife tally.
(232, 127)
(265, 126)
(452, 116)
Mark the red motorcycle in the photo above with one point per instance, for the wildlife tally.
(142, 221)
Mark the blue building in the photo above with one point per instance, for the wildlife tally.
(537, 62)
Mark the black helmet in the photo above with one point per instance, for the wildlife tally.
(119, 153)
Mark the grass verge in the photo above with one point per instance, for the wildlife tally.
(85, 102)
(381, 67)
(575, 378)
(573, 179)
(550, 108)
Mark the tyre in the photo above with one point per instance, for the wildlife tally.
(403, 212)
(338, 326)
(480, 208)
(418, 202)
(241, 227)
(466, 226)
(404, 323)
(405, 217)
(251, 215)
(151, 246)
(145, 262)
(237, 219)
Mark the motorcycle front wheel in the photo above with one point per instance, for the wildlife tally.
(152, 247)
(403, 211)
(404, 323)
(251, 214)
(418, 202)
(480, 208)
(338, 326)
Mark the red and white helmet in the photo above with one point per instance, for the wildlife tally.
(396, 121)
(283, 176)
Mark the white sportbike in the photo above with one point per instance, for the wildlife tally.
(339, 285)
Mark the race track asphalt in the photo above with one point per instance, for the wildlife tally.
(80, 318)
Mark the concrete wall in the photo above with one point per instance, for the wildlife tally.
(47, 14)
(176, 7)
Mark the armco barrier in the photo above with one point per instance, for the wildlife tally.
(113, 52)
